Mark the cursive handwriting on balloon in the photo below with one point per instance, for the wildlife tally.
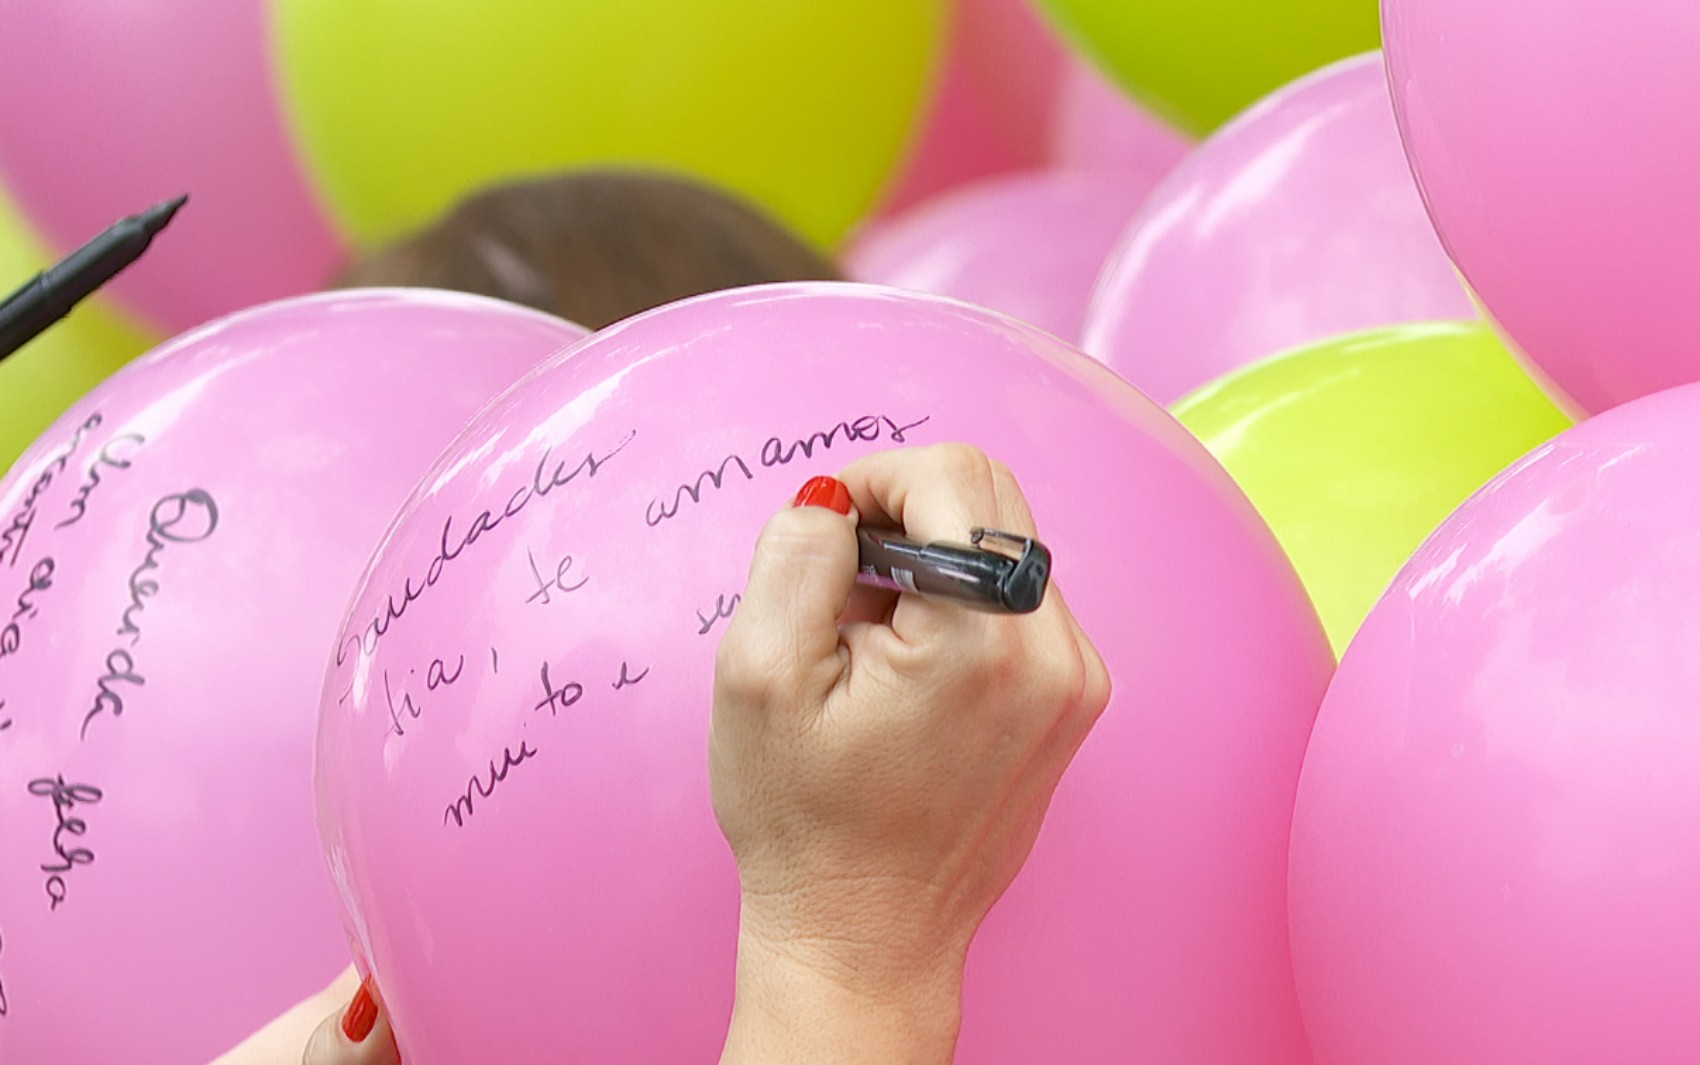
(437, 675)
(548, 475)
(486, 782)
(109, 458)
(483, 787)
(181, 518)
(563, 567)
(626, 679)
(66, 798)
(723, 607)
(12, 636)
(17, 531)
(775, 452)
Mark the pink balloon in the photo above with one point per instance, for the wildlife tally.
(961, 141)
(992, 113)
(530, 892)
(1498, 829)
(1296, 222)
(1556, 145)
(174, 558)
(1098, 127)
(1030, 245)
(1016, 61)
(114, 105)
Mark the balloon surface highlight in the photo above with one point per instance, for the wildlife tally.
(174, 556)
(1029, 245)
(1498, 831)
(1356, 448)
(1298, 222)
(1556, 147)
(528, 853)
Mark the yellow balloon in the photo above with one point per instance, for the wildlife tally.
(403, 107)
(1200, 62)
(54, 370)
(1356, 448)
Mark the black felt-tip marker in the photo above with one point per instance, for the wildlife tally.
(50, 295)
(994, 571)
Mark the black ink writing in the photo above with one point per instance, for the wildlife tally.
(4, 1005)
(723, 608)
(12, 636)
(120, 669)
(558, 699)
(484, 784)
(777, 451)
(183, 518)
(463, 808)
(66, 798)
(626, 678)
(495, 665)
(658, 511)
(453, 542)
(17, 531)
(437, 675)
(187, 518)
(559, 584)
(108, 459)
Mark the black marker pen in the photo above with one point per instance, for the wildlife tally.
(1008, 574)
(50, 295)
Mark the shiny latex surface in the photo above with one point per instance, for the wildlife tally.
(174, 556)
(1556, 144)
(1029, 245)
(1498, 832)
(1355, 449)
(1299, 221)
(528, 853)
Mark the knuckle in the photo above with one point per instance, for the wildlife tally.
(743, 666)
(964, 465)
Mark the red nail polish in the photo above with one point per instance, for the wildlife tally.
(362, 1013)
(827, 492)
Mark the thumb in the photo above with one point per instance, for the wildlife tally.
(357, 1035)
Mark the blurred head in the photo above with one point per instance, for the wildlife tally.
(594, 246)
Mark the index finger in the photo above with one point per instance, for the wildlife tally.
(940, 492)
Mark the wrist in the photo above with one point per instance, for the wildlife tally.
(799, 1003)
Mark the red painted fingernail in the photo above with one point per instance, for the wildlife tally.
(827, 492)
(362, 1013)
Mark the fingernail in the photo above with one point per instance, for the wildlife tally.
(827, 492)
(362, 1013)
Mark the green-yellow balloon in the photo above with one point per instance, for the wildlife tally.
(1200, 62)
(402, 107)
(53, 371)
(1356, 448)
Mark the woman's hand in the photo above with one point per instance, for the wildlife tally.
(355, 1032)
(882, 781)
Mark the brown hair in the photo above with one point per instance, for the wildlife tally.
(594, 246)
